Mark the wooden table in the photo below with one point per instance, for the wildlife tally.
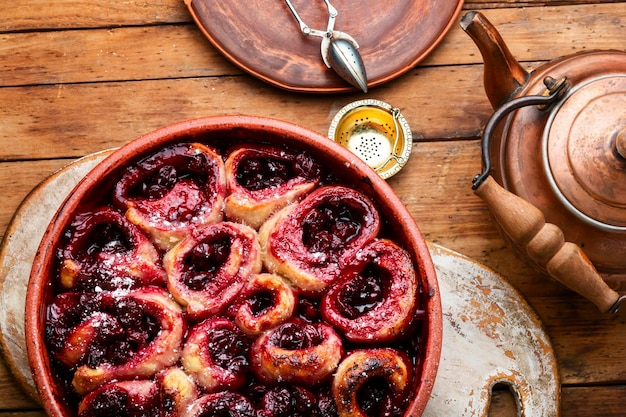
(77, 77)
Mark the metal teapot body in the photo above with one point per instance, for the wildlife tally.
(556, 147)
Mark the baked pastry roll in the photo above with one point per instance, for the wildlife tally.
(223, 403)
(173, 191)
(311, 242)
(105, 251)
(372, 382)
(176, 391)
(140, 333)
(290, 400)
(132, 398)
(215, 355)
(298, 352)
(375, 299)
(207, 269)
(265, 301)
(262, 179)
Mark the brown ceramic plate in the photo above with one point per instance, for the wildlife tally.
(263, 38)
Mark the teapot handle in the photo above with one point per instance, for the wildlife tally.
(525, 224)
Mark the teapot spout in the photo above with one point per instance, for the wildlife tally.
(503, 75)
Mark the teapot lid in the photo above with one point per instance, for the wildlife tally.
(584, 149)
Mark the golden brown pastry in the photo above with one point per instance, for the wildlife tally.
(262, 179)
(135, 398)
(215, 355)
(311, 242)
(207, 269)
(176, 391)
(375, 299)
(145, 337)
(372, 382)
(173, 191)
(296, 352)
(266, 301)
(221, 404)
(105, 251)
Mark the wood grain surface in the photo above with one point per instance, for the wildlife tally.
(77, 77)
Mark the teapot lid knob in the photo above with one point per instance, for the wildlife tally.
(620, 143)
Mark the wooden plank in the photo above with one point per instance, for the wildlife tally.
(13, 397)
(594, 401)
(156, 52)
(130, 53)
(76, 119)
(28, 15)
(61, 14)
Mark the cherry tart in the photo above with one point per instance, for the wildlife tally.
(265, 301)
(375, 299)
(105, 251)
(262, 179)
(216, 355)
(298, 352)
(310, 243)
(173, 191)
(372, 382)
(109, 336)
(209, 267)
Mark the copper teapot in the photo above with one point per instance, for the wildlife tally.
(554, 162)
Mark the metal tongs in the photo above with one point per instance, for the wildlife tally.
(339, 50)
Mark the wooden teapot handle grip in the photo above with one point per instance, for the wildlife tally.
(545, 244)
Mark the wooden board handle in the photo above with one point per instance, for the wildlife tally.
(545, 244)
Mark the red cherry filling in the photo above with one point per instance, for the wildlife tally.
(362, 293)
(216, 355)
(210, 266)
(298, 352)
(143, 337)
(326, 229)
(92, 330)
(263, 179)
(204, 261)
(289, 401)
(375, 299)
(124, 399)
(372, 382)
(222, 404)
(296, 336)
(257, 173)
(105, 251)
(153, 177)
(265, 302)
(167, 193)
(310, 243)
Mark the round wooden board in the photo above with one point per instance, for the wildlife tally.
(20, 243)
(490, 334)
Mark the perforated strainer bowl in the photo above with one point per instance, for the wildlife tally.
(376, 132)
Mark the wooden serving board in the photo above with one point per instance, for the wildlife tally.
(490, 334)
